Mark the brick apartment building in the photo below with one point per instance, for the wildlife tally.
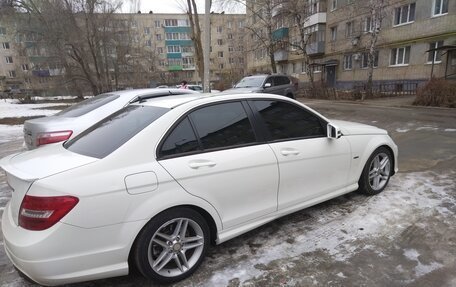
(337, 47)
(26, 65)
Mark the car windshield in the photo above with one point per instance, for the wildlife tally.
(88, 105)
(250, 82)
(112, 132)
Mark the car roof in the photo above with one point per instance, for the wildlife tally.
(152, 91)
(177, 100)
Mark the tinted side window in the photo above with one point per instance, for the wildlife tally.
(112, 132)
(181, 140)
(281, 80)
(223, 125)
(88, 105)
(287, 121)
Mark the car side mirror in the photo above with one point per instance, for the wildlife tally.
(333, 132)
(267, 85)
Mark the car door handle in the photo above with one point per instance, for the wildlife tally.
(195, 164)
(289, 151)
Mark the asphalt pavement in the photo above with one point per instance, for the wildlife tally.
(405, 236)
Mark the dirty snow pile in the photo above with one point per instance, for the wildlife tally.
(11, 108)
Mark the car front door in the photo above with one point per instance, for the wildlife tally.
(214, 154)
(310, 164)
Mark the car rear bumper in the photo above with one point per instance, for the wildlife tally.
(66, 254)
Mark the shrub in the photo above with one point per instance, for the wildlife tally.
(437, 93)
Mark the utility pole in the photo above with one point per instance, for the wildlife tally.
(207, 47)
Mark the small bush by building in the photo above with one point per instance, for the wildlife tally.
(437, 93)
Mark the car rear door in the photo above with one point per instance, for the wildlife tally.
(214, 153)
(310, 164)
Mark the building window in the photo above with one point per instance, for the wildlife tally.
(231, 60)
(162, 63)
(404, 14)
(6, 45)
(184, 36)
(221, 66)
(147, 30)
(230, 49)
(348, 62)
(12, 74)
(219, 42)
(187, 49)
(220, 54)
(160, 50)
(229, 24)
(368, 25)
(241, 60)
(230, 36)
(172, 36)
(435, 56)
(2, 31)
(188, 63)
(158, 37)
(241, 24)
(333, 33)
(173, 49)
(170, 22)
(349, 29)
(149, 43)
(174, 62)
(365, 60)
(9, 59)
(400, 56)
(219, 29)
(333, 5)
(157, 23)
(240, 48)
(440, 7)
(25, 67)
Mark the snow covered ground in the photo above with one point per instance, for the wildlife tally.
(10, 108)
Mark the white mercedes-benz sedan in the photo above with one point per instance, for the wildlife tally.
(152, 185)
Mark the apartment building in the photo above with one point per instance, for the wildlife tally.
(159, 46)
(339, 33)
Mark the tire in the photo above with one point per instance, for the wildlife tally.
(377, 172)
(172, 245)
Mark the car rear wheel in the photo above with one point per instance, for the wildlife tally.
(172, 245)
(377, 172)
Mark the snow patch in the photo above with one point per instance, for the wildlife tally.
(10, 133)
(401, 130)
(10, 108)
(421, 269)
(450, 130)
(427, 128)
(337, 233)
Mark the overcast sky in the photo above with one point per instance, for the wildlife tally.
(164, 6)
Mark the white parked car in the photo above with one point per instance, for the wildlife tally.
(72, 121)
(158, 181)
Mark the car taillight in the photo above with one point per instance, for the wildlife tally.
(52, 137)
(39, 213)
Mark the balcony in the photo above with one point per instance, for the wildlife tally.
(317, 18)
(281, 55)
(175, 68)
(315, 48)
(280, 34)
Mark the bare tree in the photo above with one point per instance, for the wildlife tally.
(299, 11)
(94, 46)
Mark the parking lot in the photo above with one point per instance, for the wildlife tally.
(406, 236)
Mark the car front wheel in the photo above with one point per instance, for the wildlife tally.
(172, 245)
(377, 172)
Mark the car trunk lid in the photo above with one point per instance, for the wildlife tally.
(24, 168)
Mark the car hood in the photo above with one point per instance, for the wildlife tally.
(43, 162)
(352, 128)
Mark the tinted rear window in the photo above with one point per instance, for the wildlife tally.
(112, 132)
(88, 105)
